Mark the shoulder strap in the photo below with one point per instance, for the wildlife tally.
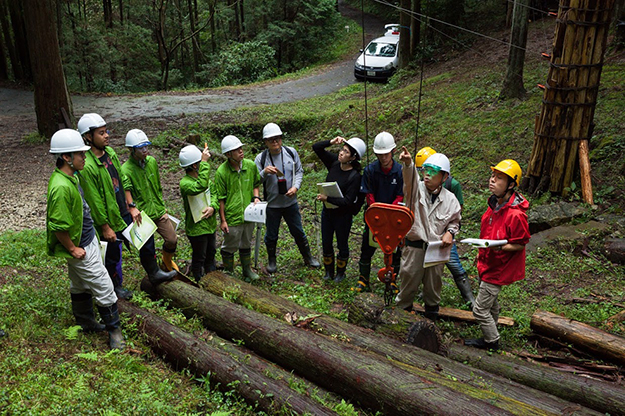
(263, 158)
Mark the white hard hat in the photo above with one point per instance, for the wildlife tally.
(89, 122)
(383, 143)
(271, 130)
(229, 143)
(67, 141)
(189, 155)
(137, 138)
(358, 145)
(438, 160)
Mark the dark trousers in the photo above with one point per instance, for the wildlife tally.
(113, 260)
(293, 220)
(367, 252)
(203, 255)
(335, 224)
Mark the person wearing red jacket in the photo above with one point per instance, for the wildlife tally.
(505, 219)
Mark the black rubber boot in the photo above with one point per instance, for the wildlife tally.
(464, 286)
(431, 312)
(155, 274)
(328, 263)
(110, 316)
(271, 258)
(82, 308)
(341, 266)
(480, 343)
(123, 293)
(2, 333)
(309, 260)
(363, 281)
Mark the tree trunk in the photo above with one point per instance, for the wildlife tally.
(352, 372)
(121, 12)
(20, 37)
(265, 302)
(595, 341)
(405, 52)
(415, 28)
(602, 396)
(4, 70)
(51, 93)
(256, 380)
(194, 42)
(4, 22)
(570, 94)
(107, 5)
(513, 82)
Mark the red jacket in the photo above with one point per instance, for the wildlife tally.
(507, 223)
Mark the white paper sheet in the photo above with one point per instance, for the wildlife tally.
(139, 235)
(436, 254)
(330, 189)
(482, 243)
(256, 213)
(174, 220)
(103, 246)
(198, 203)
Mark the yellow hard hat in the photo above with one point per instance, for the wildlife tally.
(511, 168)
(423, 154)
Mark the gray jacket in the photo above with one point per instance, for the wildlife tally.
(293, 173)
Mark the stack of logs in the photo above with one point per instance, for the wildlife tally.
(565, 121)
(371, 370)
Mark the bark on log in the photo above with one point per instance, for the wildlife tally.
(602, 396)
(260, 300)
(254, 379)
(615, 250)
(586, 337)
(350, 371)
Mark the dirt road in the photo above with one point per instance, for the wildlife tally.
(25, 168)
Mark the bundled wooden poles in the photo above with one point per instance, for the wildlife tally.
(570, 97)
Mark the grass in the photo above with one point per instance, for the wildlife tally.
(50, 368)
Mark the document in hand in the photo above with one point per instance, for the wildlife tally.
(198, 203)
(175, 221)
(435, 254)
(330, 189)
(138, 235)
(256, 213)
(482, 243)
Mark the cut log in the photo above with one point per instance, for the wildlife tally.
(602, 396)
(615, 250)
(460, 315)
(253, 297)
(586, 337)
(228, 365)
(354, 373)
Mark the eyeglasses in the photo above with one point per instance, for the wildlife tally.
(273, 139)
(431, 171)
(142, 149)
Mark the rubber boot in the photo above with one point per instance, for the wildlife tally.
(464, 286)
(123, 293)
(246, 264)
(110, 316)
(363, 280)
(82, 308)
(168, 261)
(431, 312)
(271, 258)
(228, 260)
(328, 263)
(309, 260)
(155, 274)
(341, 266)
(480, 343)
(2, 333)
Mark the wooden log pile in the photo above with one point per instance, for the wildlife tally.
(336, 361)
(570, 97)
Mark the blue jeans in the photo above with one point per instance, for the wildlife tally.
(339, 224)
(293, 220)
(454, 265)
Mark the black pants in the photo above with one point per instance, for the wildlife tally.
(335, 224)
(203, 256)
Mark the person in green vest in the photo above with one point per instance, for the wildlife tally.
(70, 234)
(200, 228)
(142, 183)
(237, 183)
(104, 192)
